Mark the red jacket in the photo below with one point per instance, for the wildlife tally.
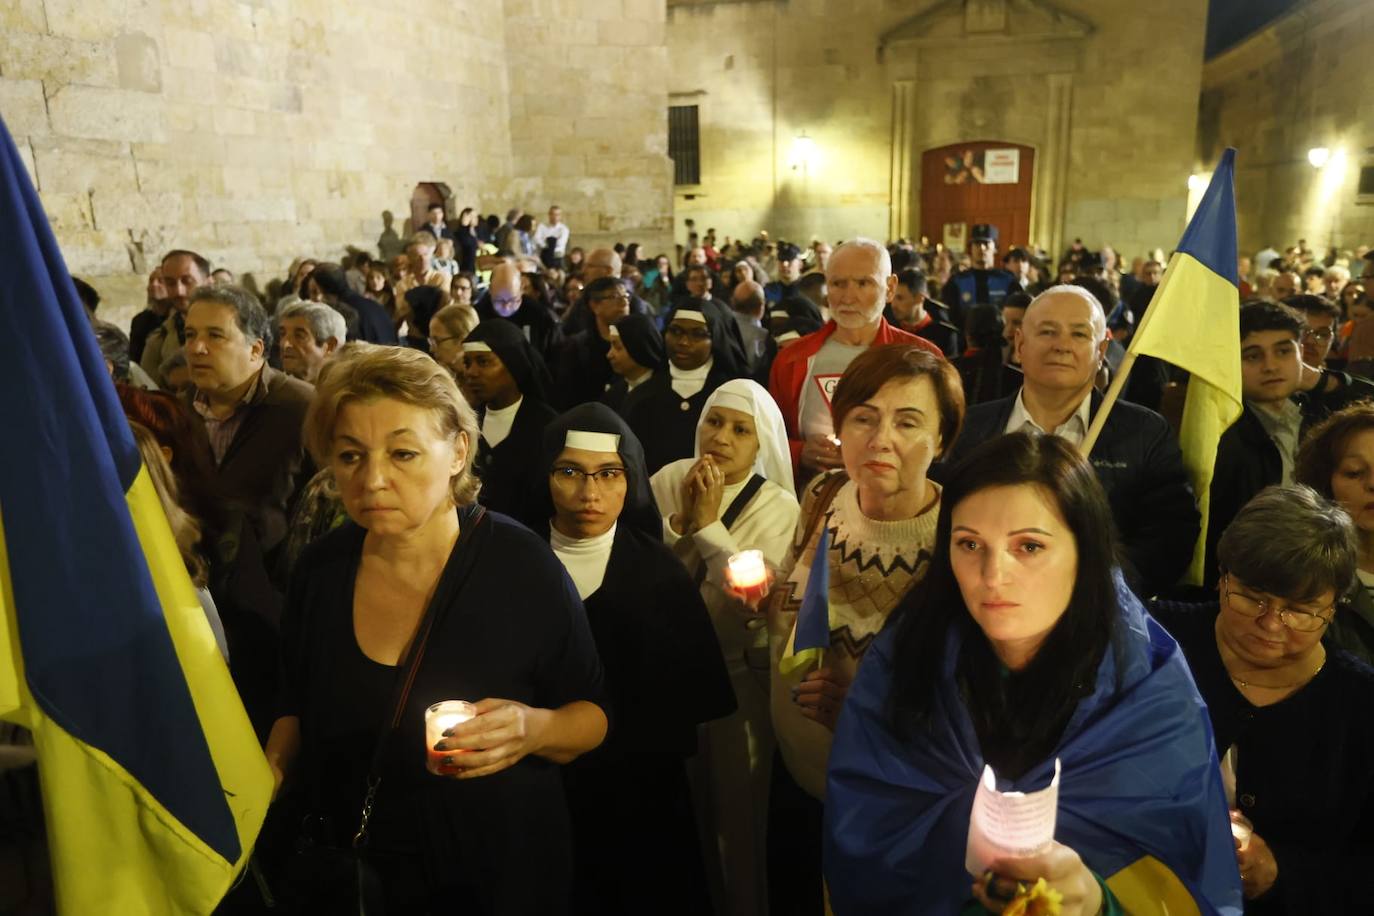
(793, 364)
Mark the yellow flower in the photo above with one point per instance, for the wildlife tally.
(1038, 900)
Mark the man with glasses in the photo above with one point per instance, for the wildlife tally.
(505, 299)
(583, 372)
(1329, 388)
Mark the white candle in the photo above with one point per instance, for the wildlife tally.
(748, 574)
(439, 718)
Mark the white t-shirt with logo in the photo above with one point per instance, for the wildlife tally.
(824, 372)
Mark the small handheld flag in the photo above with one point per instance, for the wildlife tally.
(811, 632)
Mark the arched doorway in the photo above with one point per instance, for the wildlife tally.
(426, 195)
(981, 181)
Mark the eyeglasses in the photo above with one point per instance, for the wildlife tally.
(696, 334)
(435, 341)
(607, 297)
(1320, 334)
(1293, 619)
(570, 478)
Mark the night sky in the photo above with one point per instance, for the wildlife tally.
(1229, 21)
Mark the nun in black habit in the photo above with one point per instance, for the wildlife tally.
(507, 383)
(663, 412)
(634, 828)
(636, 353)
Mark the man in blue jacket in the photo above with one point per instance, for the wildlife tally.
(1061, 344)
(984, 283)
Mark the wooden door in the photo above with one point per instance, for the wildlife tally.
(425, 195)
(981, 181)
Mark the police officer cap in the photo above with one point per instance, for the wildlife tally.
(788, 252)
(983, 232)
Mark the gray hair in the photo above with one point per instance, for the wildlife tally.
(1291, 543)
(249, 314)
(324, 321)
(869, 245)
(1099, 315)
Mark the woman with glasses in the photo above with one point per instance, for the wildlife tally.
(1290, 713)
(634, 829)
(447, 329)
(664, 411)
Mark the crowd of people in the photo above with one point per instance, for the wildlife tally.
(498, 468)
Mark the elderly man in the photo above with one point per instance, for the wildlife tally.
(183, 272)
(505, 299)
(747, 304)
(1060, 345)
(309, 334)
(859, 282)
(252, 413)
(419, 270)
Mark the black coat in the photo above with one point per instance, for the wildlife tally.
(1247, 462)
(510, 473)
(1139, 464)
(538, 322)
(634, 829)
(583, 371)
(374, 324)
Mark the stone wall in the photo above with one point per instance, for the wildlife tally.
(1303, 82)
(1104, 90)
(257, 130)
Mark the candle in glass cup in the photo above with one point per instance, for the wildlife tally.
(439, 718)
(748, 575)
(1241, 828)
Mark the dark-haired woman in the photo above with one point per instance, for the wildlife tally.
(1290, 712)
(635, 833)
(505, 380)
(1023, 650)
(664, 411)
(1337, 460)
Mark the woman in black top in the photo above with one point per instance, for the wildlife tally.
(663, 412)
(633, 823)
(505, 380)
(506, 632)
(1291, 716)
(466, 242)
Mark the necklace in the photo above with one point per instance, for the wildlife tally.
(1298, 683)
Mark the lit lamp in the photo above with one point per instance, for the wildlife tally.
(1319, 156)
(803, 151)
(747, 575)
(439, 718)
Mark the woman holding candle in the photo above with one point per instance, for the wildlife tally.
(634, 829)
(1292, 709)
(1024, 651)
(735, 494)
(897, 408)
(505, 380)
(1337, 460)
(502, 629)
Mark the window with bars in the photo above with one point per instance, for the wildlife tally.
(1366, 180)
(684, 144)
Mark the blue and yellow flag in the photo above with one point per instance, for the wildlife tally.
(1193, 321)
(811, 632)
(154, 786)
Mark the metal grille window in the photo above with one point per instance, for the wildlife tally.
(1367, 180)
(684, 144)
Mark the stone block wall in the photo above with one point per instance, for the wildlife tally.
(257, 130)
(764, 71)
(1303, 82)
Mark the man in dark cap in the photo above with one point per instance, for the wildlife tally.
(789, 272)
(982, 283)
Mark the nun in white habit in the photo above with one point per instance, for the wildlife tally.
(734, 494)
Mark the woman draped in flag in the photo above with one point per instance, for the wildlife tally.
(734, 494)
(634, 831)
(863, 540)
(1023, 650)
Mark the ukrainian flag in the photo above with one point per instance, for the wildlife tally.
(811, 631)
(1193, 321)
(154, 787)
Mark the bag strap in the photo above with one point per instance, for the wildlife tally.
(732, 514)
(451, 582)
(824, 498)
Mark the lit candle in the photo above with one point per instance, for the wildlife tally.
(1241, 828)
(748, 575)
(439, 718)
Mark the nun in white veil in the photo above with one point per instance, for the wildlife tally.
(734, 494)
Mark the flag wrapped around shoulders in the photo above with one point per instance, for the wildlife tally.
(154, 786)
(1140, 792)
(811, 631)
(1193, 322)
